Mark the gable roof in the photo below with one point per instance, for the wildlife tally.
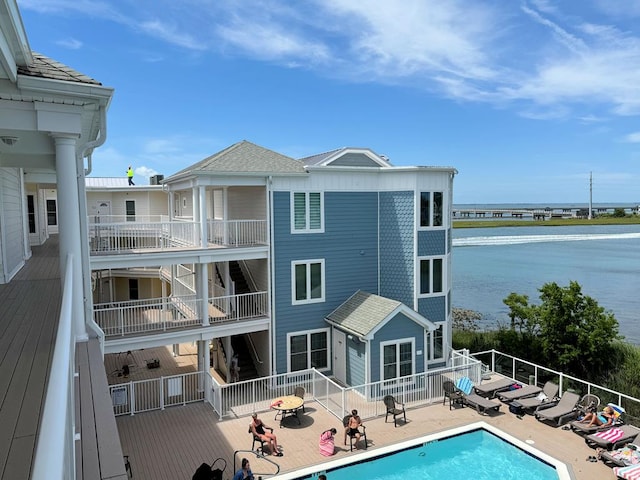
(246, 158)
(347, 156)
(365, 313)
(45, 67)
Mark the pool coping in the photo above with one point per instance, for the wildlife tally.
(565, 472)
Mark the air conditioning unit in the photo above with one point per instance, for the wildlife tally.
(156, 179)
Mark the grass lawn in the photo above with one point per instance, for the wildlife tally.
(553, 222)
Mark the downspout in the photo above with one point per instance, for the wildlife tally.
(87, 151)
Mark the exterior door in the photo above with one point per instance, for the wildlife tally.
(52, 215)
(100, 211)
(339, 351)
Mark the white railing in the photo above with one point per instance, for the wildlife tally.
(127, 236)
(242, 398)
(239, 307)
(117, 319)
(157, 393)
(528, 372)
(150, 315)
(237, 233)
(126, 218)
(55, 451)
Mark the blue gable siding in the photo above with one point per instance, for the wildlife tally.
(396, 246)
(356, 366)
(398, 327)
(431, 242)
(433, 308)
(349, 247)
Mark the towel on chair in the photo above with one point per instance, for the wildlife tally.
(612, 435)
(277, 403)
(628, 473)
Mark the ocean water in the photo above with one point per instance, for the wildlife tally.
(490, 263)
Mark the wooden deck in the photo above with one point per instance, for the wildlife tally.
(172, 443)
(30, 306)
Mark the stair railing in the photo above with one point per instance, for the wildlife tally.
(254, 352)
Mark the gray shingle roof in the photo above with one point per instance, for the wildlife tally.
(46, 67)
(320, 157)
(245, 157)
(363, 312)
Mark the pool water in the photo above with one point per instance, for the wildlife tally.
(478, 454)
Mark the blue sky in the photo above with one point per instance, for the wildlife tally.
(524, 98)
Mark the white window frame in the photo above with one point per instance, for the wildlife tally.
(429, 344)
(431, 293)
(397, 343)
(308, 334)
(323, 282)
(431, 226)
(307, 214)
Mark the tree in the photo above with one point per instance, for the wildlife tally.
(619, 213)
(520, 312)
(575, 332)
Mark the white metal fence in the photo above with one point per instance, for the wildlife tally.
(238, 399)
(126, 236)
(528, 372)
(239, 307)
(156, 394)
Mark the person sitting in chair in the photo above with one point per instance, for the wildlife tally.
(259, 429)
(352, 428)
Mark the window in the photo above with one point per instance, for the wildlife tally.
(397, 358)
(52, 214)
(435, 344)
(307, 212)
(307, 281)
(130, 207)
(308, 350)
(431, 276)
(31, 212)
(431, 209)
(133, 289)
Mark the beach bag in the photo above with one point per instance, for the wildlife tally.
(516, 409)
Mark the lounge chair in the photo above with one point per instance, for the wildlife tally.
(612, 438)
(561, 412)
(490, 389)
(627, 473)
(481, 404)
(586, 429)
(624, 456)
(548, 394)
(524, 392)
(391, 405)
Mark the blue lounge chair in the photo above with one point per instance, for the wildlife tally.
(481, 404)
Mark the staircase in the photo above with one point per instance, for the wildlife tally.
(235, 272)
(247, 368)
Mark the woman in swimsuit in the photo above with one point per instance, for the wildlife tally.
(260, 430)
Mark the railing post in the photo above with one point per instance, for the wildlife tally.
(161, 390)
(132, 397)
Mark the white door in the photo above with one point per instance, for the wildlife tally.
(339, 352)
(100, 211)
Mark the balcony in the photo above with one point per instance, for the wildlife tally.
(140, 317)
(117, 234)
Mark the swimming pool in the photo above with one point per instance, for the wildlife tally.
(478, 450)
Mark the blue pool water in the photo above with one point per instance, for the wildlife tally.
(478, 454)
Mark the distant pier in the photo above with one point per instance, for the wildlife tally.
(537, 213)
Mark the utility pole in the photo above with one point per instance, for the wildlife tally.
(590, 195)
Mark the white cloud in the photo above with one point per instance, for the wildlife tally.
(145, 172)
(70, 43)
(633, 137)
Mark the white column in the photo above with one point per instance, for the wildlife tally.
(203, 216)
(69, 231)
(202, 283)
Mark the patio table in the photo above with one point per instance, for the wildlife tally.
(287, 405)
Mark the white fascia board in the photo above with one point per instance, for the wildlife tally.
(48, 87)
